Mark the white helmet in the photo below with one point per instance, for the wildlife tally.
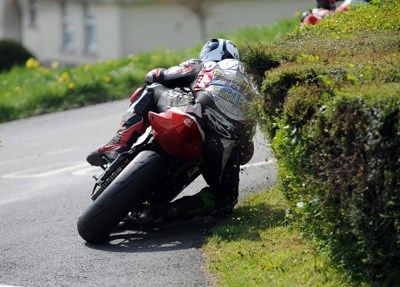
(219, 49)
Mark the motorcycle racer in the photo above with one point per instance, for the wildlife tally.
(327, 8)
(220, 88)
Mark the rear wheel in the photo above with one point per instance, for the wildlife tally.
(142, 176)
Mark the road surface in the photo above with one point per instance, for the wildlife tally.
(45, 184)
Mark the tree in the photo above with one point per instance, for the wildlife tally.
(12, 54)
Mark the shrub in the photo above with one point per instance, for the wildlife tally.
(330, 97)
(12, 54)
(356, 170)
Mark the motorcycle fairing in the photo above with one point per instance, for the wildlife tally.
(177, 133)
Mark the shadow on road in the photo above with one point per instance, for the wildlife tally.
(178, 236)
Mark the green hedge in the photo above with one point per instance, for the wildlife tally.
(330, 103)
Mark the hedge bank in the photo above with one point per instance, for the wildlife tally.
(330, 104)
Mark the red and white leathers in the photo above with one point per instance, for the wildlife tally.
(135, 121)
(221, 91)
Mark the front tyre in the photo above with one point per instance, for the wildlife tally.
(143, 175)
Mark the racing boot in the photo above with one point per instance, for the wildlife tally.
(149, 218)
(189, 207)
(182, 209)
(132, 126)
(155, 216)
(204, 203)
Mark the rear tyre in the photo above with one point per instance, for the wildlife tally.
(143, 175)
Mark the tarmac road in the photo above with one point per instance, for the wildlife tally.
(45, 184)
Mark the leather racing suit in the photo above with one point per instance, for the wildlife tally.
(221, 91)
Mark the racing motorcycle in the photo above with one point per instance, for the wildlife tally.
(314, 16)
(163, 161)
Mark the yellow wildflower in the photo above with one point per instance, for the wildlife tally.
(71, 86)
(17, 89)
(31, 63)
(64, 76)
(106, 79)
(86, 68)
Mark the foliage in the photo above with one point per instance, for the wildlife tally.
(12, 54)
(330, 97)
(357, 170)
(378, 15)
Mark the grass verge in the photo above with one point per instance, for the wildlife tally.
(259, 246)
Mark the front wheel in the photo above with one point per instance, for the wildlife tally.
(145, 173)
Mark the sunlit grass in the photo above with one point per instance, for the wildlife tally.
(258, 246)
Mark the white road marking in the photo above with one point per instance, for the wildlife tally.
(261, 163)
(57, 152)
(79, 169)
(83, 169)
(87, 170)
(35, 156)
(36, 172)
